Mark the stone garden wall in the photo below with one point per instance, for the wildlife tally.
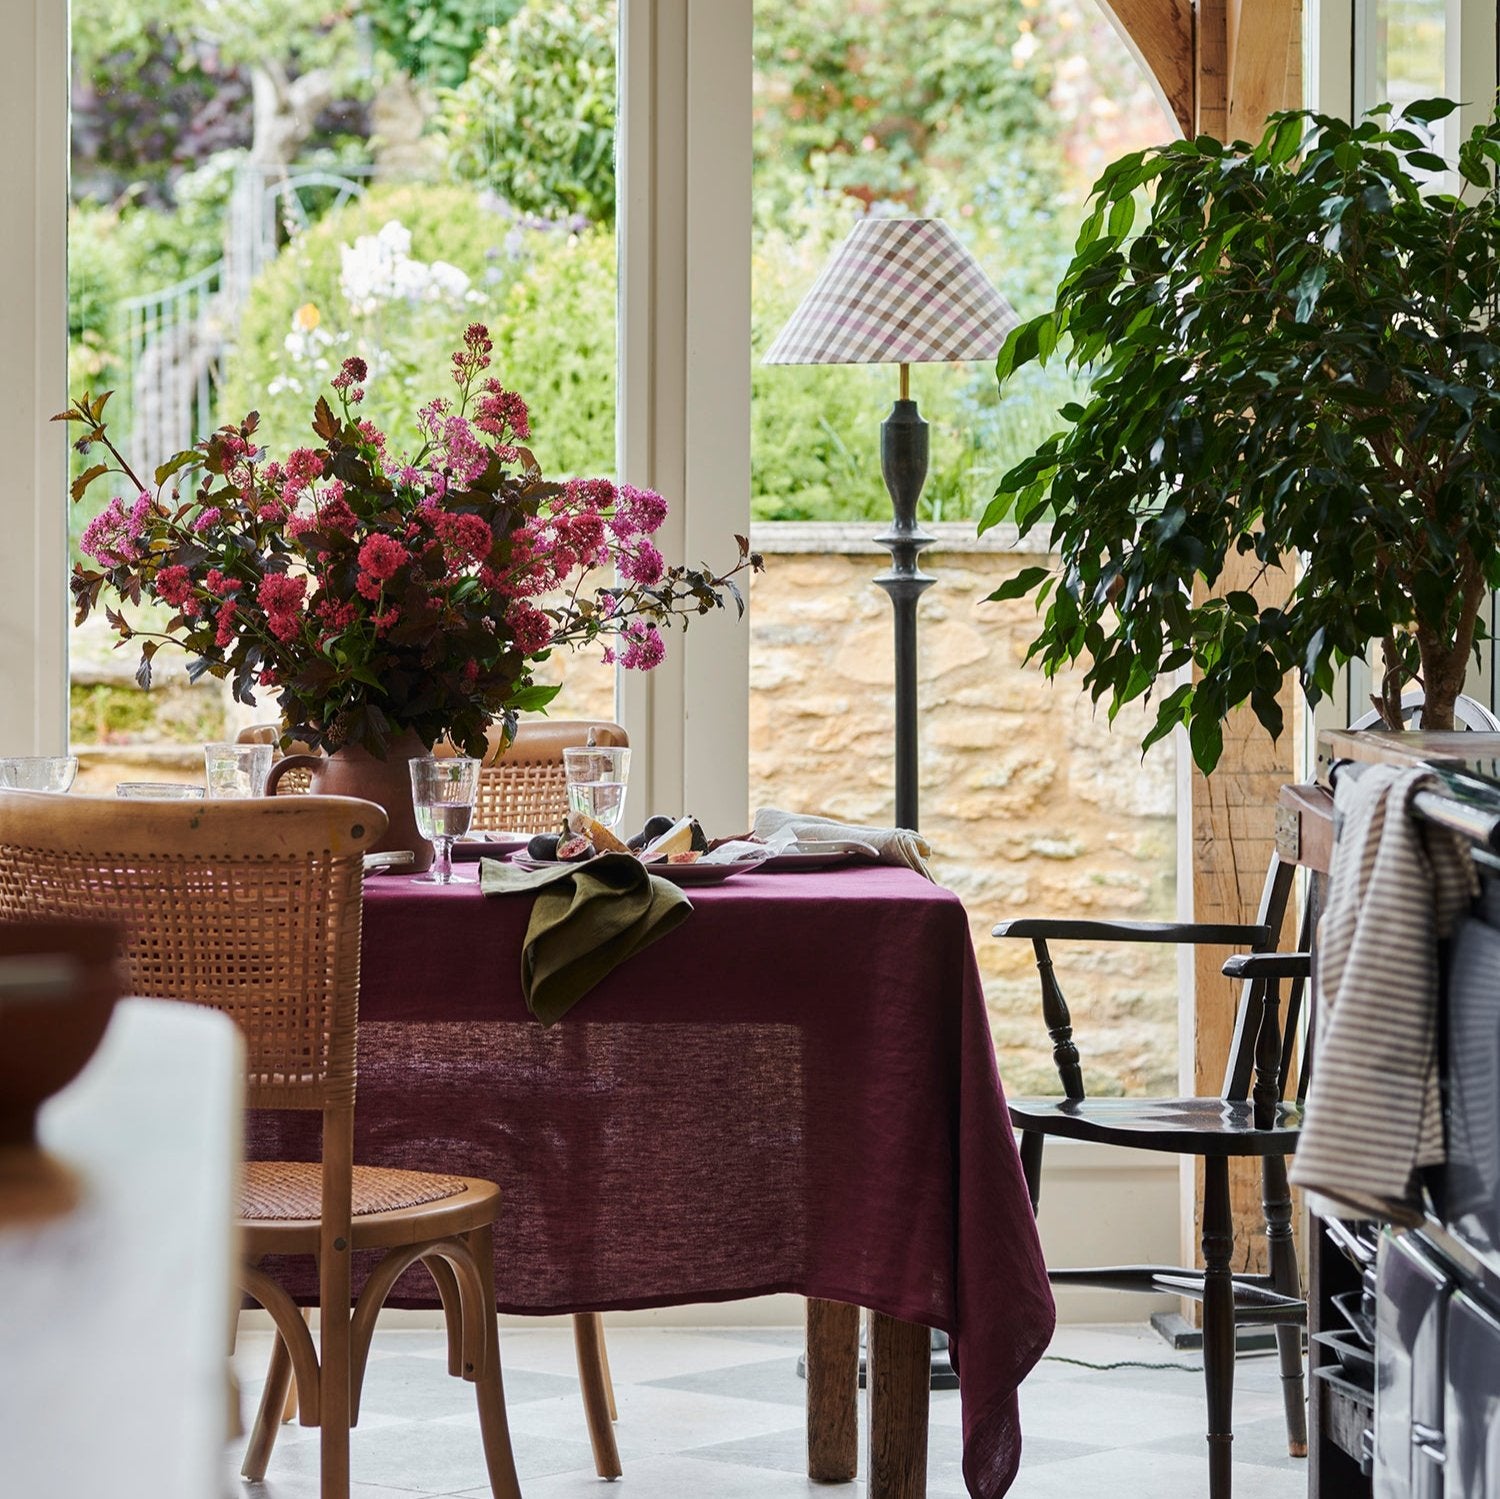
(1032, 803)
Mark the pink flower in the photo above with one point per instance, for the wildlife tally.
(351, 373)
(643, 566)
(113, 536)
(529, 627)
(639, 512)
(224, 635)
(644, 647)
(382, 556)
(384, 621)
(337, 616)
(302, 467)
(502, 413)
(209, 517)
(281, 596)
(219, 585)
(173, 585)
(466, 538)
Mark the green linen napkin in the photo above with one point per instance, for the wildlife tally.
(587, 920)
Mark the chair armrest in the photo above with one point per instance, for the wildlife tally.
(1269, 965)
(1208, 934)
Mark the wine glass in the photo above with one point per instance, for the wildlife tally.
(38, 772)
(235, 770)
(442, 795)
(596, 777)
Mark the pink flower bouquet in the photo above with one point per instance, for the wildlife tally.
(373, 592)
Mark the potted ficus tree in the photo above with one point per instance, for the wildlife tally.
(1295, 359)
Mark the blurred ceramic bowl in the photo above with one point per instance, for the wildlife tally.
(58, 985)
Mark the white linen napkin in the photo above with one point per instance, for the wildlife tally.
(773, 825)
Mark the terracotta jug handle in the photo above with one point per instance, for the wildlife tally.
(291, 762)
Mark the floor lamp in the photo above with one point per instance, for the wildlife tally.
(904, 292)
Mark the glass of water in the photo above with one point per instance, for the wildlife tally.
(442, 796)
(159, 791)
(233, 770)
(38, 772)
(596, 782)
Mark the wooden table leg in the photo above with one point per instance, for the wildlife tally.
(898, 1362)
(832, 1391)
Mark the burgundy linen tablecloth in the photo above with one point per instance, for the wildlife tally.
(794, 1091)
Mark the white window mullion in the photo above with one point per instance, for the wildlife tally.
(34, 336)
(684, 388)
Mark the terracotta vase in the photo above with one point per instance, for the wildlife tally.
(354, 771)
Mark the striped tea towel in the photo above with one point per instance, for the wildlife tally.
(1396, 887)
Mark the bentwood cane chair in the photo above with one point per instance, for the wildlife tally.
(253, 908)
(1257, 1114)
(522, 789)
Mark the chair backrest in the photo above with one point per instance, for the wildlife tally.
(295, 782)
(1468, 713)
(1240, 1071)
(250, 907)
(521, 786)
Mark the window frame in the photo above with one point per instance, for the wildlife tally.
(684, 367)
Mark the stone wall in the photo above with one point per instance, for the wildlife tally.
(1033, 804)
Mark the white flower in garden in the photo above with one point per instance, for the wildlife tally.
(379, 268)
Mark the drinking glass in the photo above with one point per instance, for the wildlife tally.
(596, 782)
(38, 772)
(236, 769)
(442, 796)
(162, 791)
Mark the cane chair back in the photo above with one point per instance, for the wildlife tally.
(253, 908)
(295, 782)
(249, 907)
(522, 788)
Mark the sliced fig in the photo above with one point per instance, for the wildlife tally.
(575, 849)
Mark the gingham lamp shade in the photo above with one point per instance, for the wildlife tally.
(897, 291)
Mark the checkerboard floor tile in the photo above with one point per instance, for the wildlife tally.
(718, 1414)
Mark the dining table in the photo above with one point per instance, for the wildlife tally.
(795, 1090)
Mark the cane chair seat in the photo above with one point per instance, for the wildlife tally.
(1178, 1126)
(276, 1191)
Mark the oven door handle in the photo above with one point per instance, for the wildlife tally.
(1430, 1442)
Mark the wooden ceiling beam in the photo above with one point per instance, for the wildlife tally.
(1260, 39)
(1160, 34)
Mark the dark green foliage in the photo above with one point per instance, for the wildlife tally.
(1294, 358)
(432, 41)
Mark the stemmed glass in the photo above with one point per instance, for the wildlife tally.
(596, 782)
(442, 796)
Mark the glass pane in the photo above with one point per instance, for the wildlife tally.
(995, 116)
(263, 188)
(1401, 43)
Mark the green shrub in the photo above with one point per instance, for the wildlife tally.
(298, 324)
(555, 343)
(535, 119)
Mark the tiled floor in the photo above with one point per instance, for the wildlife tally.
(718, 1415)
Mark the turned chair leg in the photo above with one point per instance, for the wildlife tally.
(268, 1419)
(1218, 1323)
(494, 1427)
(594, 1380)
(1031, 1165)
(1276, 1203)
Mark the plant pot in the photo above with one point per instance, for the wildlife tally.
(354, 771)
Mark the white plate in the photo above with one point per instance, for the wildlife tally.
(679, 874)
(821, 853)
